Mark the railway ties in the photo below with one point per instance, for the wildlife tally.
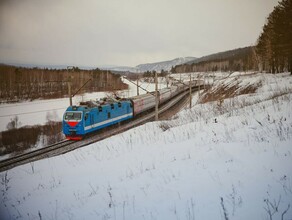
(32, 155)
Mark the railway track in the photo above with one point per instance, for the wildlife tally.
(31, 156)
(67, 145)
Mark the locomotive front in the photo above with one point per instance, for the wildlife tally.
(73, 123)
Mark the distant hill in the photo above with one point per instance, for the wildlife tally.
(222, 55)
(158, 66)
(240, 59)
(120, 69)
(164, 65)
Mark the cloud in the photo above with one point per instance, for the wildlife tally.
(125, 32)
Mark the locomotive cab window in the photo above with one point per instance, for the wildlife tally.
(99, 108)
(119, 104)
(72, 116)
(112, 106)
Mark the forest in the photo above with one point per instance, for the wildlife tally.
(19, 83)
(274, 45)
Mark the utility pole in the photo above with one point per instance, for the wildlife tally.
(156, 97)
(199, 86)
(106, 77)
(138, 86)
(80, 88)
(190, 91)
(69, 91)
(212, 86)
(69, 84)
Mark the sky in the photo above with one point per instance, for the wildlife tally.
(125, 32)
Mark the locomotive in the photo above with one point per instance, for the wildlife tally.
(91, 116)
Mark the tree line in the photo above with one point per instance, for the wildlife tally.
(19, 83)
(274, 45)
(151, 74)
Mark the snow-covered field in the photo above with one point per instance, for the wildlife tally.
(232, 161)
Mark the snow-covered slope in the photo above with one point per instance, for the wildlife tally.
(120, 68)
(228, 161)
(164, 65)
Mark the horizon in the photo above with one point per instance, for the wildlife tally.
(59, 66)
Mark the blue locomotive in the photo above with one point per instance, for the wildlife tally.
(91, 116)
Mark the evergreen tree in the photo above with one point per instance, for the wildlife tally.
(274, 45)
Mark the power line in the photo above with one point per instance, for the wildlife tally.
(26, 113)
(28, 103)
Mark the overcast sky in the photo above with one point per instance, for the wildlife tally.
(125, 32)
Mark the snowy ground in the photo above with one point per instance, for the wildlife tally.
(186, 168)
(38, 111)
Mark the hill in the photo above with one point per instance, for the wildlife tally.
(157, 66)
(164, 65)
(240, 59)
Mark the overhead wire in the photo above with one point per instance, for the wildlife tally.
(28, 103)
(26, 113)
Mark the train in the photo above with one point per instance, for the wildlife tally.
(90, 116)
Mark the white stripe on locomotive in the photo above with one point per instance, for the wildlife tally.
(107, 121)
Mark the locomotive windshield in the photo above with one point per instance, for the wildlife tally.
(72, 116)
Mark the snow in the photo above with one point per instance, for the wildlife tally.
(186, 168)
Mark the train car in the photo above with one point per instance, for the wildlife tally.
(143, 102)
(164, 95)
(193, 83)
(177, 89)
(174, 90)
(181, 87)
(86, 118)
